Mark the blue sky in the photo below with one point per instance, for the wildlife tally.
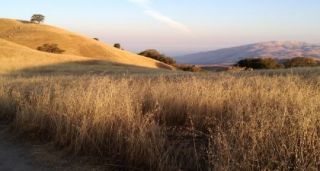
(178, 26)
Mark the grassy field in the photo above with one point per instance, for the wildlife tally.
(267, 120)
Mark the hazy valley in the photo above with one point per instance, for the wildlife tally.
(279, 50)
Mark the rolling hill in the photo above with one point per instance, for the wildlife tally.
(275, 49)
(15, 57)
(31, 35)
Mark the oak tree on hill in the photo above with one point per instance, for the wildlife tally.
(37, 18)
(117, 45)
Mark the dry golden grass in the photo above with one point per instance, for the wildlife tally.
(211, 122)
(35, 35)
(15, 57)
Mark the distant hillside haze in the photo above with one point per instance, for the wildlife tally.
(275, 49)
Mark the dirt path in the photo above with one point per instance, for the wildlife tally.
(15, 157)
(21, 156)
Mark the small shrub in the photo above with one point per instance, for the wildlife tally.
(300, 62)
(154, 54)
(51, 48)
(259, 63)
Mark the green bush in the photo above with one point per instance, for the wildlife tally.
(259, 63)
(50, 48)
(154, 54)
(300, 62)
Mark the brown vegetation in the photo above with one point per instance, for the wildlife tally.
(301, 62)
(154, 54)
(259, 63)
(189, 68)
(273, 63)
(50, 48)
(214, 122)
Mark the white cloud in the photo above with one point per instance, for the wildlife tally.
(160, 17)
(170, 22)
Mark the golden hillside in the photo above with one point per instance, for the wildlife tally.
(35, 35)
(15, 57)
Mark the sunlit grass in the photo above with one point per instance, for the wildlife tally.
(204, 122)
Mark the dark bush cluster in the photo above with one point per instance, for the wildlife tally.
(189, 68)
(259, 63)
(154, 54)
(300, 62)
(51, 48)
(271, 63)
(117, 45)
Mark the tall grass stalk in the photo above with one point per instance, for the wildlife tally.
(171, 123)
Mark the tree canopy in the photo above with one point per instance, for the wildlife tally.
(117, 45)
(259, 63)
(300, 62)
(154, 54)
(37, 18)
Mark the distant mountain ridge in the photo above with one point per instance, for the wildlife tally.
(274, 49)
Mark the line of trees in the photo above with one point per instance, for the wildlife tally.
(259, 63)
(154, 54)
(301, 62)
(272, 63)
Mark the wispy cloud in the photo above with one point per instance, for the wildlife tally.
(170, 22)
(160, 17)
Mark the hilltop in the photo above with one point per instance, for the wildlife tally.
(22, 37)
(275, 49)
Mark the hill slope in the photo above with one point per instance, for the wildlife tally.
(35, 35)
(280, 50)
(15, 57)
